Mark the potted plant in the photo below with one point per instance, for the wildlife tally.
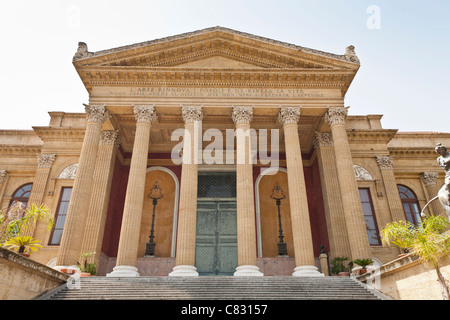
(340, 267)
(363, 263)
(87, 269)
(23, 245)
(429, 241)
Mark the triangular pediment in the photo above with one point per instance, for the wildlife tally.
(203, 48)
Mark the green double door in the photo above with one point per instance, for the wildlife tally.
(216, 242)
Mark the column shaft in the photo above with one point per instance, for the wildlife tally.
(301, 226)
(74, 226)
(103, 174)
(187, 212)
(334, 211)
(134, 197)
(246, 219)
(354, 218)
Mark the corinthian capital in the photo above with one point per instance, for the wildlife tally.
(192, 113)
(45, 160)
(144, 114)
(110, 138)
(96, 113)
(429, 178)
(3, 176)
(323, 139)
(242, 114)
(289, 115)
(385, 162)
(336, 115)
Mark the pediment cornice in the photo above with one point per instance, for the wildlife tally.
(217, 40)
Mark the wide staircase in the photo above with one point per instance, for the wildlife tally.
(213, 288)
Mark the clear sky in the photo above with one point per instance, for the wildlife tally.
(404, 48)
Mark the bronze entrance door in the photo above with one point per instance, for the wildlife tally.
(216, 240)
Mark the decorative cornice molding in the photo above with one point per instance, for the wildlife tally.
(336, 115)
(323, 139)
(192, 113)
(429, 178)
(96, 113)
(242, 114)
(45, 160)
(289, 115)
(144, 113)
(110, 138)
(3, 176)
(385, 162)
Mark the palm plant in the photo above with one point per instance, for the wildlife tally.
(19, 221)
(430, 242)
(24, 244)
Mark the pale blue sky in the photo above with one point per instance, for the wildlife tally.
(404, 74)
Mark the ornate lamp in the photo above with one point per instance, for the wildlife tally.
(154, 194)
(278, 195)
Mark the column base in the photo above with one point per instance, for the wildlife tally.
(307, 271)
(124, 271)
(248, 271)
(184, 271)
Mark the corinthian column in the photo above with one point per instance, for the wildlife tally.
(246, 220)
(354, 218)
(301, 227)
(187, 212)
(101, 188)
(429, 179)
(134, 198)
(75, 224)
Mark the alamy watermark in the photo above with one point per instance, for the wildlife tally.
(230, 146)
(373, 22)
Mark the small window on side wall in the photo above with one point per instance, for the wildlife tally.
(369, 217)
(410, 205)
(60, 216)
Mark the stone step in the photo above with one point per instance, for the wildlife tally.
(214, 288)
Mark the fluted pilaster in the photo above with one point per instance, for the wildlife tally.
(45, 162)
(429, 179)
(386, 164)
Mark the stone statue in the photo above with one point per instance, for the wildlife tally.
(444, 193)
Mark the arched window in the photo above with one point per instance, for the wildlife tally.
(410, 205)
(22, 194)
